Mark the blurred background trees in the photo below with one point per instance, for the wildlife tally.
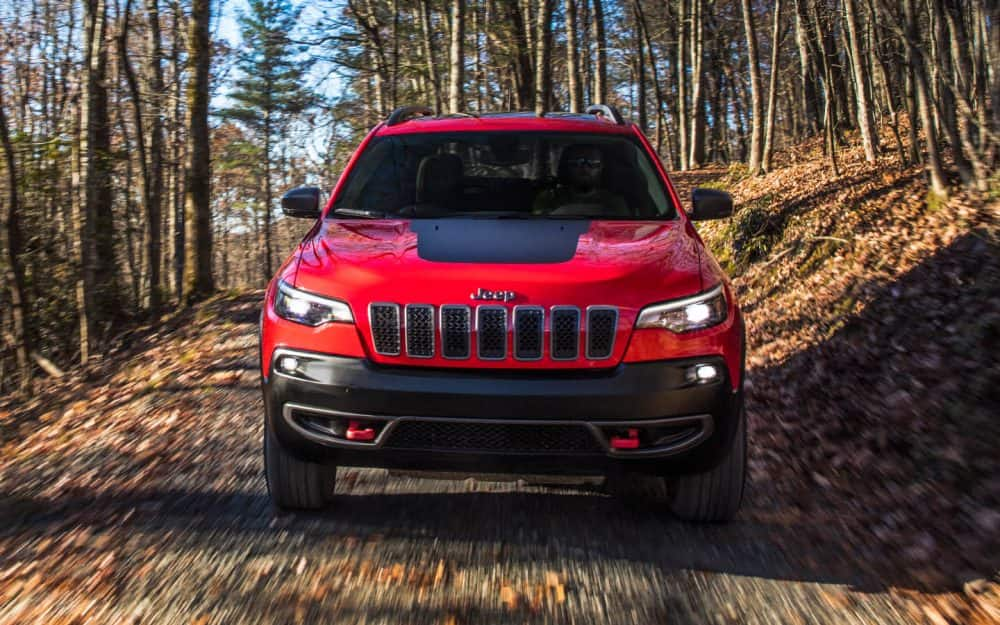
(144, 142)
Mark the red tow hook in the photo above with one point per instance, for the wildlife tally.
(626, 442)
(356, 433)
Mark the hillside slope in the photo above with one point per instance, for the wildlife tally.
(873, 317)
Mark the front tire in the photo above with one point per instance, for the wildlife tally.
(295, 484)
(713, 496)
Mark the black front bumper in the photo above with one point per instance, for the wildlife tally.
(652, 397)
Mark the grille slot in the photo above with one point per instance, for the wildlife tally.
(507, 437)
(602, 321)
(491, 332)
(384, 319)
(529, 328)
(565, 333)
(456, 328)
(419, 330)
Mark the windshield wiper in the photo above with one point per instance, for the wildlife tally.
(359, 213)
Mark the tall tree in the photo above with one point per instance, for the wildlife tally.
(154, 209)
(456, 59)
(96, 285)
(11, 238)
(543, 68)
(600, 42)
(697, 48)
(869, 138)
(198, 280)
(428, 50)
(756, 107)
(772, 90)
(269, 92)
(573, 83)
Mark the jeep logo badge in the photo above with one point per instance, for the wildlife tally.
(487, 295)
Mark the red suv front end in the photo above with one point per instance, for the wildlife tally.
(505, 293)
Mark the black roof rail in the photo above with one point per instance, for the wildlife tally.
(406, 113)
(606, 111)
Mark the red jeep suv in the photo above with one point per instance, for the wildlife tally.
(505, 293)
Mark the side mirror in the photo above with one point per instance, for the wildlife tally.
(710, 204)
(302, 202)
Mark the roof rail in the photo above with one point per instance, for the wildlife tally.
(606, 111)
(406, 113)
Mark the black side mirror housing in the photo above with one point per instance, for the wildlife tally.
(302, 202)
(710, 204)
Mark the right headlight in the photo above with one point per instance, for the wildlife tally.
(684, 315)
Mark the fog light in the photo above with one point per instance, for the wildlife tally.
(702, 374)
(705, 373)
(288, 364)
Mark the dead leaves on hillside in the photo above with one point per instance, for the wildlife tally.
(872, 394)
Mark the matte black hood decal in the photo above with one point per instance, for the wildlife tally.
(522, 241)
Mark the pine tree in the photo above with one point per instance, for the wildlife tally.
(271, 90)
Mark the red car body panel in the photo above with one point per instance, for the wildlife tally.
(626, 264)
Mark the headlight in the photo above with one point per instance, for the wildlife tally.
(684, 315)
(309, 309)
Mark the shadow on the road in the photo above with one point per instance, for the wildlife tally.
(541, 526)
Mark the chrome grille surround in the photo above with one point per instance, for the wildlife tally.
(419, 330)
(491, 332)
(600, 330)
(529, 332)
(455, 323)
(384, 320)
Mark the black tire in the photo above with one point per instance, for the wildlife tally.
(713, 496)
(295, 484)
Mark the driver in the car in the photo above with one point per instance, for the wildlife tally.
(580, 187)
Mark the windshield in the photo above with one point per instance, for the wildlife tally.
(505, 174)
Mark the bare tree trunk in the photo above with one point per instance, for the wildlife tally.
(601, 43)
(772, 89)
(154, 212)
(543, 68)
(869, 139)
(267, 268)
(756, 105)
(198, 267)
(938, 184)
(93, 163)
(640, 70)
(697, 84)
(13, 269)
(572, 64)
(682, 98)
(806, 71)
(456, 63)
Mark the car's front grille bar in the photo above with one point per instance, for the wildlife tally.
(419, 331)
(456, 331)
(492, 332)
(384, 319)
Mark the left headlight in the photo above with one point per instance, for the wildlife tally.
(309, 309)
(684, 315)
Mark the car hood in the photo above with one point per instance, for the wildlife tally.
(627, 264)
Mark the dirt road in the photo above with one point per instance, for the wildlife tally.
(138, 497)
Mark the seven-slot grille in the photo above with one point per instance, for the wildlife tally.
(416, 330)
